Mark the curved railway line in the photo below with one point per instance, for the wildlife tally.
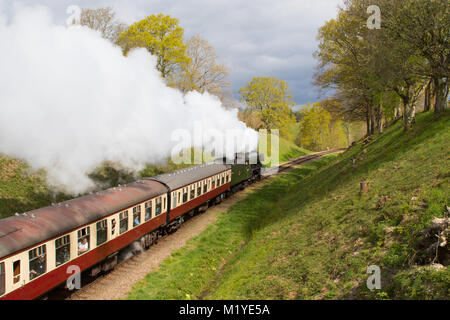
(115, 284)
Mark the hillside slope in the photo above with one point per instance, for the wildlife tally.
(310, 234)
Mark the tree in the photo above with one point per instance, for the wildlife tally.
(161, 36)
(397, 64)
(251, 118)
(103, 20)
(321, 129)
(338, 115)
(271, 99)
(424, 25)
(364, 65)
(202, 72)
(343, 67)
(314, 128)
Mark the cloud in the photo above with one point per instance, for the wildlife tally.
(246, 34)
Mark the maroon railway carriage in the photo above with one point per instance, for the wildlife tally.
(192, 188)
(41, 249)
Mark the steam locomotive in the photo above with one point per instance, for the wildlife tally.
(42, 248)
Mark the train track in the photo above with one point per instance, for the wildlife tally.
(300, 160)
(116, 283)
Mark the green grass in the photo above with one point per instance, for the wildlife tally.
(310, 234)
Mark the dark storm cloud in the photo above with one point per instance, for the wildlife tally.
(254, 38)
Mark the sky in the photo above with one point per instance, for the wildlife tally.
(253, 38)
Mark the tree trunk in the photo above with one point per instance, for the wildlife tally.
(409, 108)
(372, 120)
(367, 123)
(409, 112)
(398, 111)
(446, 96)
(441, 90)
(379, 117)
(347, 131)
(428, 94)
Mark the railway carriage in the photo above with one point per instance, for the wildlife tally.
(41, 249)
(103, 219)
(192, 188)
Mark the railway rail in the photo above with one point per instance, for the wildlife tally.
(300, 160)
(116, 283)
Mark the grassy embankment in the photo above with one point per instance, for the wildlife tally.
(22, 190)
(310, 234)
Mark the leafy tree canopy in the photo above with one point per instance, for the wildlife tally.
(161, 36)
(271, 99)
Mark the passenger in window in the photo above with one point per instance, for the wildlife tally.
(63, 256)
(136, 221)
(39, 268)
(83, 246)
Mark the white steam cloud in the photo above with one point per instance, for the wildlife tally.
(69, 100)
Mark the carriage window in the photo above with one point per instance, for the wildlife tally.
(83, 240)
(101, 232)
(227, 177)
(2, 278)
(16, 271)
(164, 204)
(38, 261)
(174, 199)
(179, 196)
(218, 181)
(136, 216)
(199, 189)
(185, 195)
(223, 179)
(213, 183)
(148, 210)
(123, 221)
(62, 251)
(113, 226)
(158, 206)
(205, 187)
(192, 192)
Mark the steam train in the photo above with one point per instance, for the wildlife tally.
(42, 248)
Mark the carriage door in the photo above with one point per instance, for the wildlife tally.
(17, 276)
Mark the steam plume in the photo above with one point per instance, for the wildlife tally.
(69, 100)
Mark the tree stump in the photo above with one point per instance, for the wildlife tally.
(364, 187)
